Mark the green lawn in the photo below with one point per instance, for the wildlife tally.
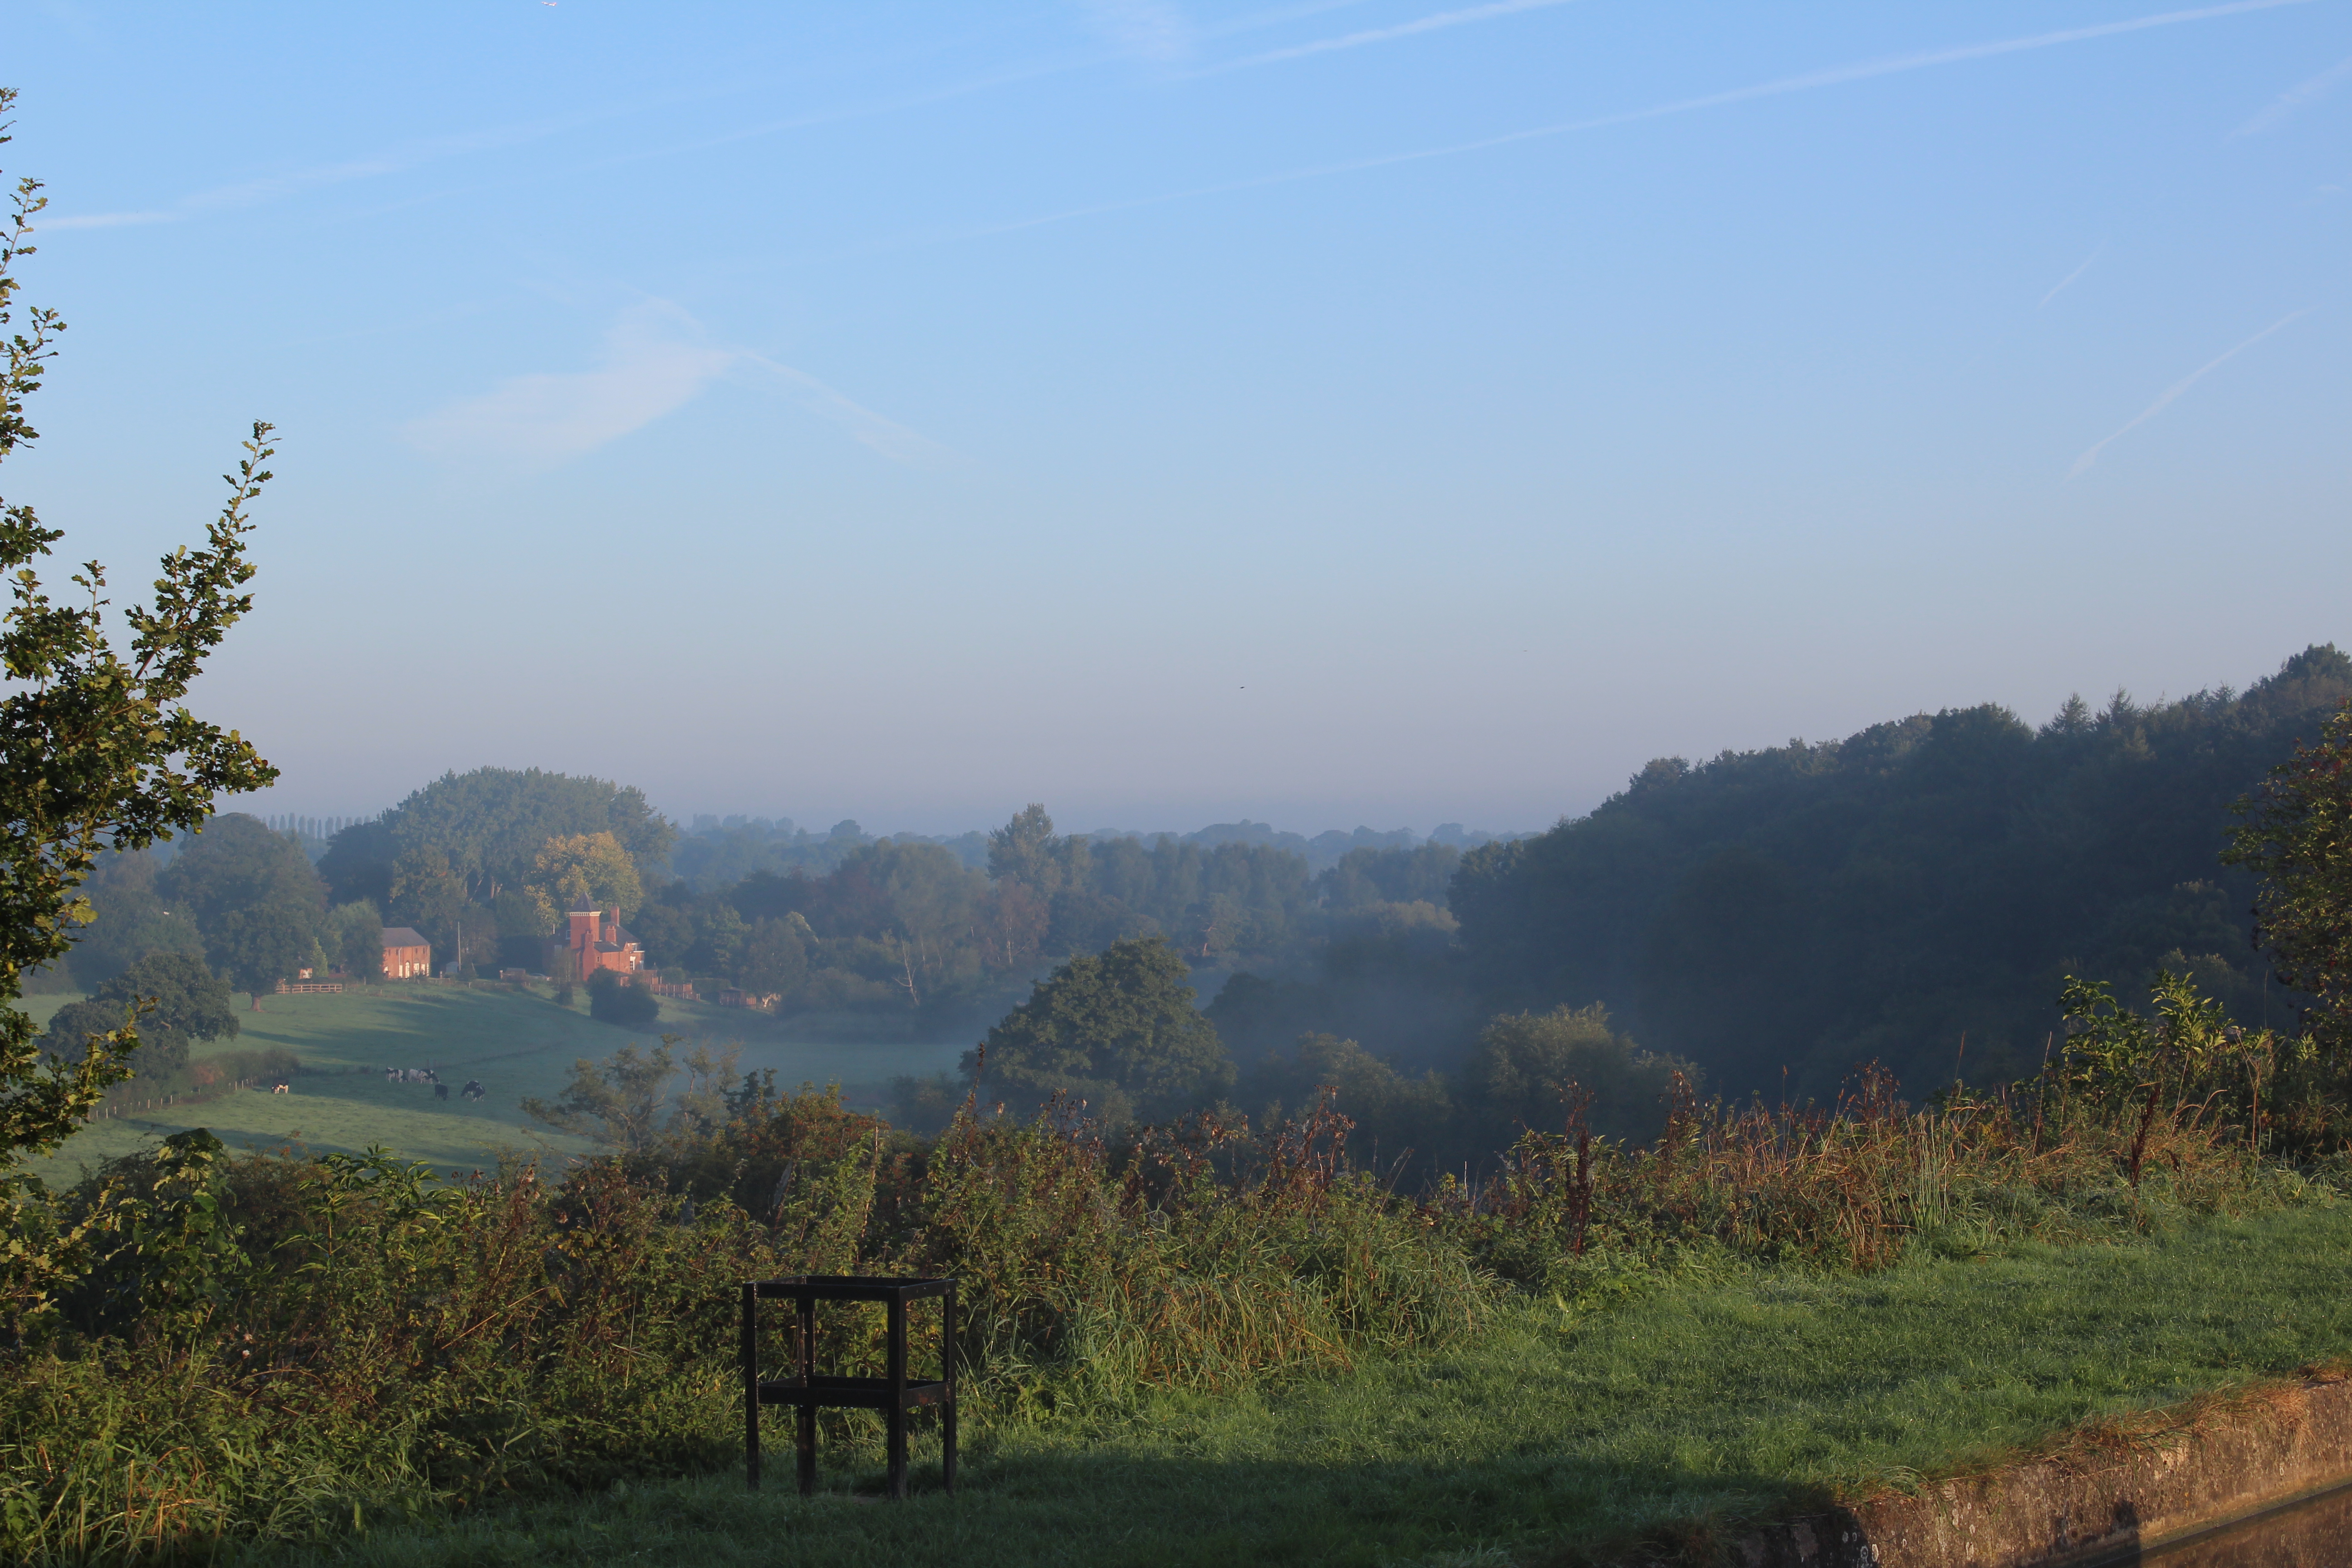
(1706, 1405)
(516, 1043)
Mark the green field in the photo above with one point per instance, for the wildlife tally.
(1694, 1411)
(516, 1043)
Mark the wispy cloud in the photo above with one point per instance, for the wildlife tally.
(1835, 76)
(108, 220)
(1430, 23)
(2070, 277)
(2082, 463)
(651, 365)
(2296, 97)
(1148, 29)
(654, 362)
(273, 187)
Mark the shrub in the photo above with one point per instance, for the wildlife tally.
(612, 1000)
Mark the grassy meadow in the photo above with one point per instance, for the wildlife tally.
(516, 1043)
(1662, 1425)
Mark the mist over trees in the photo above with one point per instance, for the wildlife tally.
(187, 1003)
(716, 852)
(1806, 907)
(253, 895)
(129, 920)
(1814, 906)
(900, 933)
(477, 861)
(1116, 1032)
(909, 927)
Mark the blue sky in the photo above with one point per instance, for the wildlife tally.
(1383, 411)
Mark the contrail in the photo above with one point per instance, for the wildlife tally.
(2071, 276)
(885, 436)
(2294, 98)
(1432, 23)
(1832, 77)
(2177, 388)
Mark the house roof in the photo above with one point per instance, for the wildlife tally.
(403, 936)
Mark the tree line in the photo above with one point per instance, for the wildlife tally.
(1915, 894)
(905, 927)
(484, 864)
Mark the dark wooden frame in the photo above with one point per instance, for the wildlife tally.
(807, 1390)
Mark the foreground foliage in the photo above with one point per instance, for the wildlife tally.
(280, 1348)
(101, 754)
(1658, 1430)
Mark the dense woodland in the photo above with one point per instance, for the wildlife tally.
(1817, 906)
(1768, 921)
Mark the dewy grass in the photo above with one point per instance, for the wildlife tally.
(282, 1349)
(1662, 1425)
(516, 1043)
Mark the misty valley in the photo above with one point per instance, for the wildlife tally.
(1926, 1148)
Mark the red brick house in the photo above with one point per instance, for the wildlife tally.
(406, 954)
(592, 939)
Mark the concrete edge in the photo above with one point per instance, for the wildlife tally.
(2111, 1493)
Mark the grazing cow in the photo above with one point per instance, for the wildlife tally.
(473, 1089)
(440, 1091)
(279, 1089)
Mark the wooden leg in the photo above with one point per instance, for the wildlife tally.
(894, 1416)
(947, 1376)
(947, 1443)
(897, 1422)
(751, 1387)
(807, 1433)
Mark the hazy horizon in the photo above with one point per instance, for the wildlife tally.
(1303, 817)
(1360, 411)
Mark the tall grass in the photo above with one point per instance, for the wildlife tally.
(281, 1349)
(1853, 1185)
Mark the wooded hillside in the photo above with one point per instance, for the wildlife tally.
(1814, 906)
